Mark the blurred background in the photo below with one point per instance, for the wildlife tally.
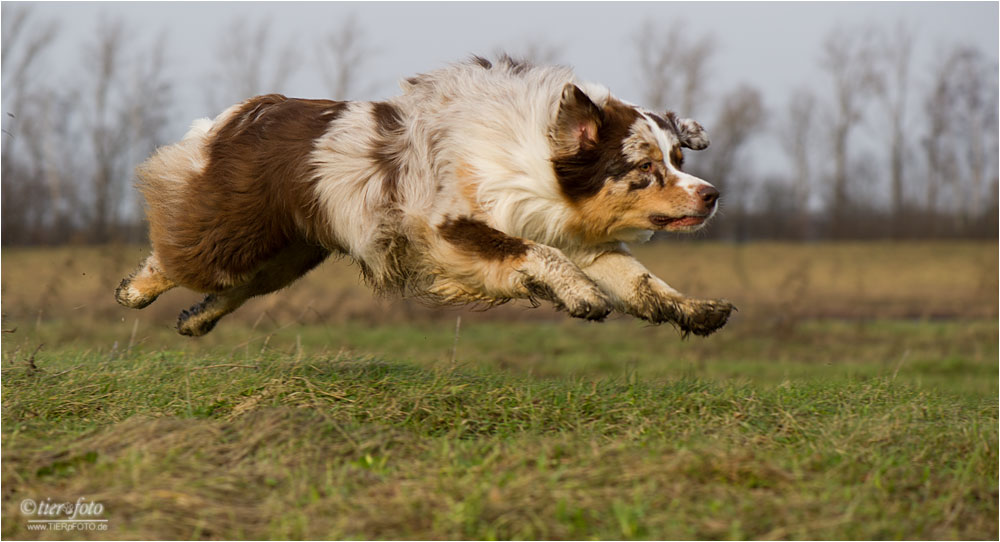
(855, 144)
(828, 121)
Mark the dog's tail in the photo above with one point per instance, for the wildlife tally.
(199, 128)
(162, 178)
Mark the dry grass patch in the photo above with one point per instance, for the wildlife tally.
(774, 282)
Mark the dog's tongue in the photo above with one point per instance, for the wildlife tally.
(687, 221)
(664, 220)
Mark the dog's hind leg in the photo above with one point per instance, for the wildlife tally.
(280, 271)
(200, 318)
(144, 285)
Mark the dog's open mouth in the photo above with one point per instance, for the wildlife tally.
(664, 221)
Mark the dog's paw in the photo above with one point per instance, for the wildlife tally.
(196, 321)
(596, 306)
(583, 300)
(127, 295)
(190, 325)
(703, 316)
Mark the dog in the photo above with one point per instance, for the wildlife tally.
(482, 182)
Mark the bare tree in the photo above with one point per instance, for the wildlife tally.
(147, 111)
(974, 87)
(22, 44)
(106, 139)
(70, 175)
(244, 54)
(893, 57)
(740, 118)
(797, 136)
(739, 121)
(673, 69)
(937, 141)
(26, 201)
(847, 58)
(51, 143)
(343, 58)
(961, 133)
(126, 100)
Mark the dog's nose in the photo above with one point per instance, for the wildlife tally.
(709, 195)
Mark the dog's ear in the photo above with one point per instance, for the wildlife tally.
(577, 123)
(690, 133)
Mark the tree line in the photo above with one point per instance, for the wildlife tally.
(880, 148)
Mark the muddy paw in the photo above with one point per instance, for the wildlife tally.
(591, 308)
(192, 326)
(585, 300)
(704, 317)
(195, 322)
(127, 295)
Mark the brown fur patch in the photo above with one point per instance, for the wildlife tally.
(598, 217)
(677, 157)
(386, 152)
(478, 238)
(661, 122)
(583, 174)
(387, 117)
(644, 181)
(254, 198)
(476, 59)
(655, 154)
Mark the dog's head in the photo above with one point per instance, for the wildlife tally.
(620, 167)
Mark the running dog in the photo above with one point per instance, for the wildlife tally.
(481, 183)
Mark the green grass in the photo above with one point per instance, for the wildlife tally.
(854, 396)
(819, 430)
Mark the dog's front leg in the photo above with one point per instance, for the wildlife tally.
(474, 262)
(636, 291)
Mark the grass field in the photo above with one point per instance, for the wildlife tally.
(854, 396)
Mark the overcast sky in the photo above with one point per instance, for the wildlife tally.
(773, 46)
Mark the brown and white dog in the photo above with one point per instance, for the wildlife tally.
(483, 182)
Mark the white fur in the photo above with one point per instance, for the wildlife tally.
(469, 110)
(491, 123)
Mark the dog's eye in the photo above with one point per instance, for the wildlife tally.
(646, 166)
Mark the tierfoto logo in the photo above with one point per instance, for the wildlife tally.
(83, 515)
